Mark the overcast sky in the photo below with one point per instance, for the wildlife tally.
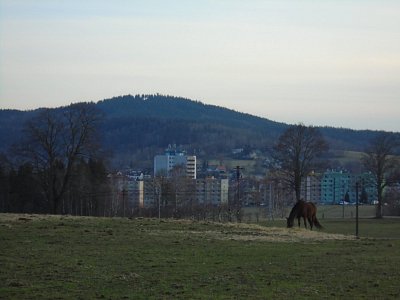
(330, 62)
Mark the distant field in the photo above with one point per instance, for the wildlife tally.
(323, 212)
(346, 211)
(61, 257)
(231, 164)
(347, 156)
(344, 157)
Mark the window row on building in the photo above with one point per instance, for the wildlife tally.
(336, 187)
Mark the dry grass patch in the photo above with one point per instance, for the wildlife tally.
(207, 230)
(250, 232)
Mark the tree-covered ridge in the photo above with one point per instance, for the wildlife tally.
(170, 107)
(135, 128)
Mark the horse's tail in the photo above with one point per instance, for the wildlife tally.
(317, 224)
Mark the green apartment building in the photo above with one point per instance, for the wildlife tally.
(338, 186)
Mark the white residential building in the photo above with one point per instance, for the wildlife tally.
(212, 191)
(164, 164)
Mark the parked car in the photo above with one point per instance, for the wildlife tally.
(344, 202)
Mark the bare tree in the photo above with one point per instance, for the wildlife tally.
(380, 161)
(54, 140)
(296, 154)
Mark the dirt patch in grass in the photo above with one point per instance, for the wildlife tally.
(10, 217)
(252, 232)
(284, 235)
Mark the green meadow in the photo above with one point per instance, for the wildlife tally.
(64, 257)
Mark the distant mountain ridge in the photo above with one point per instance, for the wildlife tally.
(137, 127)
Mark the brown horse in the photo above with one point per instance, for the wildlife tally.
(305, 210)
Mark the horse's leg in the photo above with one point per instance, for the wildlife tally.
(305, 222)
(298, 220)
(310, 220)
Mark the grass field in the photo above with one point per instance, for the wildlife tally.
(231, 164)
(347, 156)
(323, 212)
(62, 257)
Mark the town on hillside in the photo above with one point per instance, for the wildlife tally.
(178, 180)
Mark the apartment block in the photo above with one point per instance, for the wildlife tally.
(212, 191)
(172, 158)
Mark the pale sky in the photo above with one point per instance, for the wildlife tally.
(321, 62)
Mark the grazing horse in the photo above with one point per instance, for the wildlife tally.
(305, 210)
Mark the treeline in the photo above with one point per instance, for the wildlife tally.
(202, 199)
(57, 165)
(87, 192)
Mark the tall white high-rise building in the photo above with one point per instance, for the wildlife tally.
(163, 164)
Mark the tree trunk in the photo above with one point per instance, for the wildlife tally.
(379, 205)
(297, 188)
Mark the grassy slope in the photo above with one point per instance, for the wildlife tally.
(66, 257)
(345, 156)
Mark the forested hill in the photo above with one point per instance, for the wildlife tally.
(137, 127)
(161, 120)
(154, 121)
(176, 108)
